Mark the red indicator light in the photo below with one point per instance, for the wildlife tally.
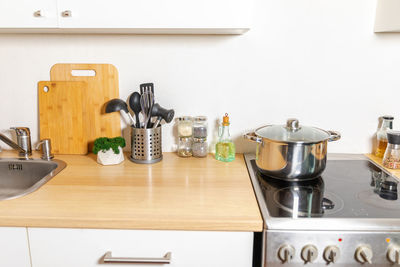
(340, 240)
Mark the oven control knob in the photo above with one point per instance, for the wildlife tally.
(331, 254)
(364, 254)
(393, 255)
(286, 253)
(309, 253)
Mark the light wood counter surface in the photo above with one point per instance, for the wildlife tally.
(379, 161)
(174, 194)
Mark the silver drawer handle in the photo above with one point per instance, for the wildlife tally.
(108, 258)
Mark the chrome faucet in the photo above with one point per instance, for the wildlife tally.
(23, 144)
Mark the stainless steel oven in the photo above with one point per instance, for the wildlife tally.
(349, 216)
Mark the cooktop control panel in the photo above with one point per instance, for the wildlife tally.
(322, 248)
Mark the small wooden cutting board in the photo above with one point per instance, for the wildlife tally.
(61, 116)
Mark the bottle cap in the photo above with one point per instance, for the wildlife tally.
(393, 137)
(388, 117)
(225, 120)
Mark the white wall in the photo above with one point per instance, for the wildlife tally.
(315, 60)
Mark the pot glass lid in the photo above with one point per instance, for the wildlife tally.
(292, 132)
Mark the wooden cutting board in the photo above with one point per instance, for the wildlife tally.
(61, 116)
(101, 87)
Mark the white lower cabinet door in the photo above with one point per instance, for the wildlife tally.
(93, 247)
(14, 248)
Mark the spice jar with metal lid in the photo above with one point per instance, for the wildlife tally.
(185, 147)
(185, 126)
(200, 127)
(200, 146)
(185, 131)
(391, 158)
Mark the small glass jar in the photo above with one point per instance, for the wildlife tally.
(200, 127)
(185, 147)
(185, 126)
(391, 158)
(200, 147)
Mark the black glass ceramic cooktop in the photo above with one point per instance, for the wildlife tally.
(346, 189)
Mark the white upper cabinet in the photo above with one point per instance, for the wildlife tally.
(128, 16)
(28, 14)
(387, 16)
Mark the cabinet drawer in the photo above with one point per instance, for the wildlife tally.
(87, 247)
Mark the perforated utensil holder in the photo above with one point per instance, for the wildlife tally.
(146, 145)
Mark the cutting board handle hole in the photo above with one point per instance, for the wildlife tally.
(80, 73)
(46, 89)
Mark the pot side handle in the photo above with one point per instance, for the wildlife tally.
(252, 137)
(334, 136)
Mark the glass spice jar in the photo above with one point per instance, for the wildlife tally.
(185, 147)
(200, 147)
(200, 127)
(185, 126)
(391, 158)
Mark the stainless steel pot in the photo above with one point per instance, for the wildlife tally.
(291, 151)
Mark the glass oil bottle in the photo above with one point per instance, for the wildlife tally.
(381, 135)
(225, 148)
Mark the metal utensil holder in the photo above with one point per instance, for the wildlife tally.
(146, 145)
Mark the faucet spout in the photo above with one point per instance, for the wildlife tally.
(9, 142)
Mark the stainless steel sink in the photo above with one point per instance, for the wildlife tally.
(19, 177)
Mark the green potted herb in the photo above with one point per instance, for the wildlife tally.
(109, 150)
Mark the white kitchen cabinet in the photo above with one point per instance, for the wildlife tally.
(87, 247)
(28, 14)
(387, 16)
(127, 16)
(14, 248)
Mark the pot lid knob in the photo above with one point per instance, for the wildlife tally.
(292, 125)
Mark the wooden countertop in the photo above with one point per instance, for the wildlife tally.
(379, 161)
(174, 194)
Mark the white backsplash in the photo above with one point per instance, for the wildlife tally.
(314, 60)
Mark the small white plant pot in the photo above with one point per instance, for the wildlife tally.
(109, 157)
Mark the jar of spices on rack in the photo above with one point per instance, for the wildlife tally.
(200, 146)
(185, 132)
(391, 159)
